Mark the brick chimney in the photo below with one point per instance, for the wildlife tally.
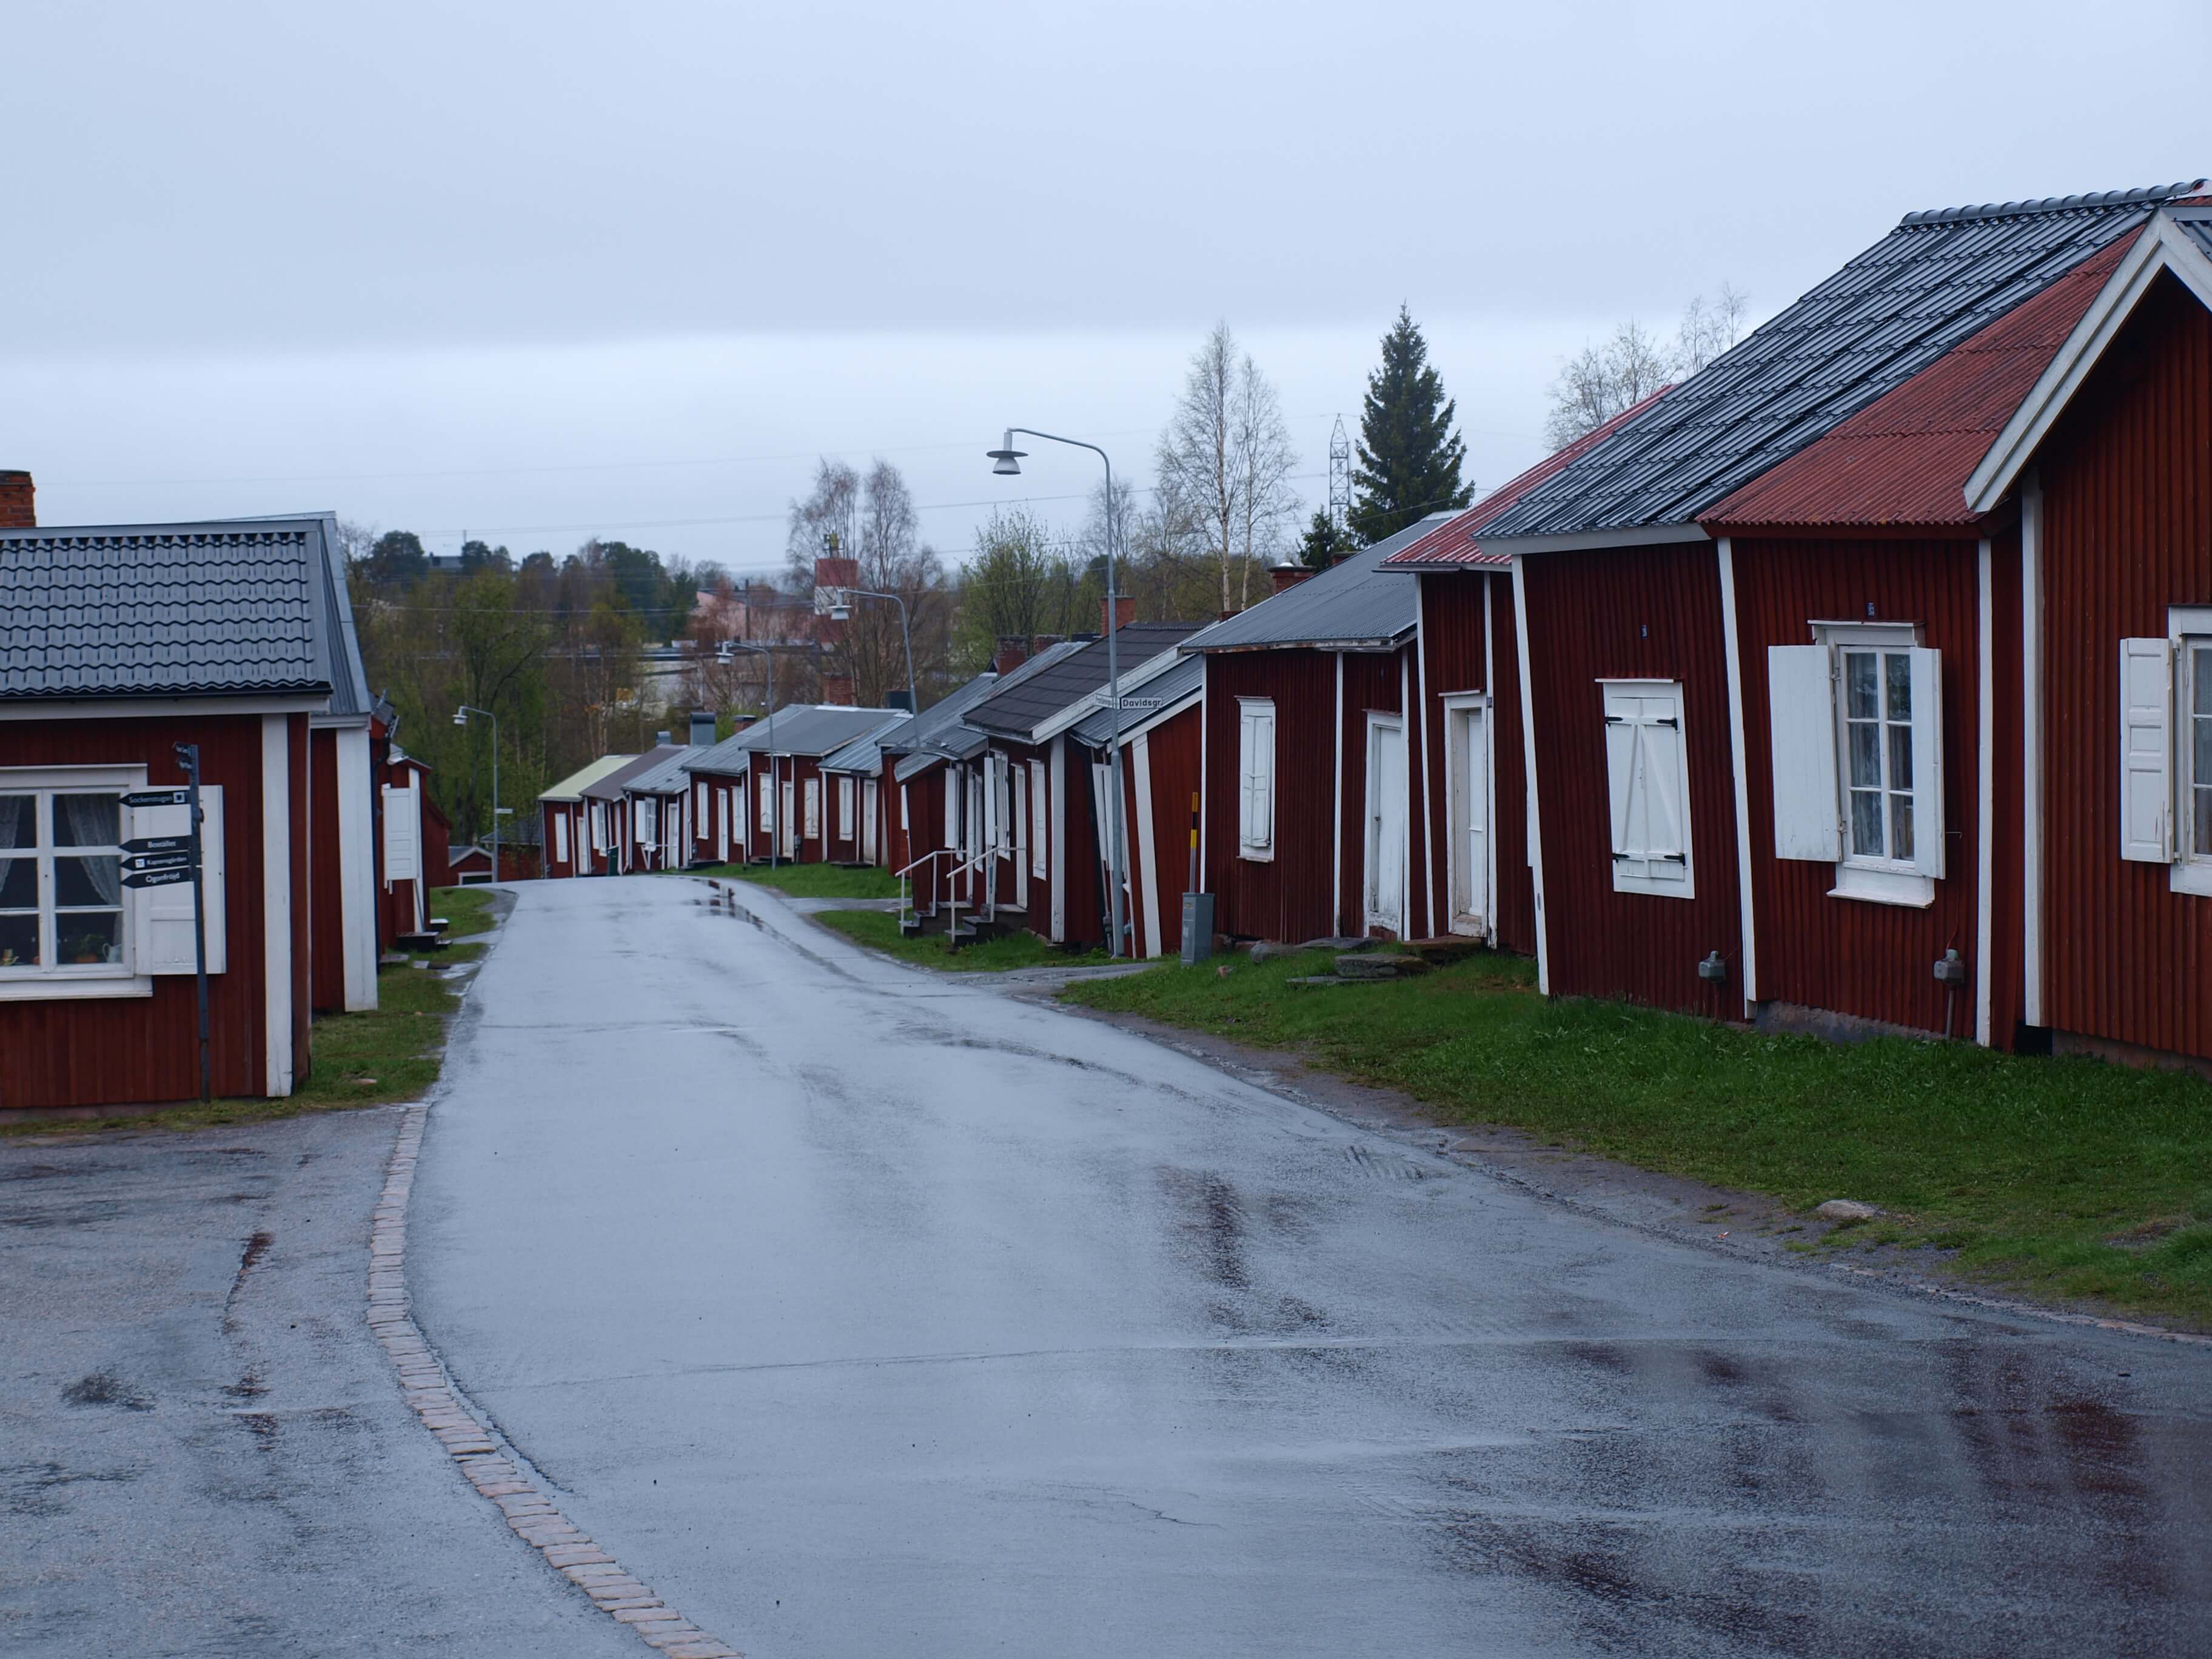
(1013, 651)
(837, 689)
(1124, 612)
(1043, 643)
(1288, 575)
(16, 509)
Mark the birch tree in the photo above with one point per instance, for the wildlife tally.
(1224, 464)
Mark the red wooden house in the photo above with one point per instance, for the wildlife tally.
(1161, 781)
(773, 770)
(565, 822)
(1310, 807)
(610, 819)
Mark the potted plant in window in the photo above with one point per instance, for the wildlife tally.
(88, 948)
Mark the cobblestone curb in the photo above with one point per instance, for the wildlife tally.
(496, 1474)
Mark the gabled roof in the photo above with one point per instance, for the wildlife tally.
(802, 729)
(666, 777)
(942, 731)
(1452, 545)
(1352, 605)
(572, 787)
(212, 608)
(610, 786)
(1936, 280)
(1023, 703)
(1175, 689)
(1905, 457)
(863, 754)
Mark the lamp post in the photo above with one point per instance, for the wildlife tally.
(1006, 462)
(776, 801)
(841, 610)
(461, 718)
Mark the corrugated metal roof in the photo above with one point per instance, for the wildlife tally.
(1186, 679)
(1022, 703)
(1356, 603)
(800, 728)
(1452, 545)
(209, 609)
(610, 786)
(1906, 458)
(572, 787)
(666, 777)
(1936, 279)
(943, 732)
(862, 754)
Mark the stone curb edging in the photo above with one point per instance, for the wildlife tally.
(447, 1413)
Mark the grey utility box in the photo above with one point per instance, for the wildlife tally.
(1197, 927)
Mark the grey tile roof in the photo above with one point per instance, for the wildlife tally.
(350, 694)
(211, 609)
(1352, 603)
(1936, 279)
(1187, 678)
(1022, 703)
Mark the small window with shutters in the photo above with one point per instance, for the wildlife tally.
(1256, 778)
(1648, 788)
(2165, 750)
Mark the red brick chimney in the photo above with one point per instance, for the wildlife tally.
(16, 508)
(836, 573)
(1013, 651)
(1124, 612)
(837, 689)
(1288, 575)
(1043, 643)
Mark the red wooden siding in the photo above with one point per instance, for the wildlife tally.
(1850, 955)
(1172, 752)
(1286, 898)
(2127, 484)
(325, 883)
(1630, 613)
(2005, 968)
(133, 1049)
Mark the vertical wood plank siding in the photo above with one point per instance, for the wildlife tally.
(136, 1049)
(326, 880)
(1286, 898)
(1452, 622)
(1174, 747)
(1850, 955)
(2127, 484)
(1632, 613)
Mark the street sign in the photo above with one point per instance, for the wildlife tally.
(159, 844)
(159, 798)
(1144, 705)
(147, 862)
(138, 878)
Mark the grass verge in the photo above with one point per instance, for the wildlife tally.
(809, 880)
(2064, 1177)
(360, 1059)
(878, 930)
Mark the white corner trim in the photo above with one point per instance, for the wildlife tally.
(1141, 758)
(1407, 726)
(356, 829)
(1490, 751)
(2161, 247)
(1419, 725)
(1336, 817)
(1528, 773)
(276, 903)
(1986, 812)
(1748, 919)
(2031, 747)
(1058, 888)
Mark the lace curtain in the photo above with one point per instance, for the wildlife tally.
(91, 821)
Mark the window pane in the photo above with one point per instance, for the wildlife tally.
(1866, 822)
(2200, 732)
(1900, 757)
(1866, 755)
(1899, 667)
(1858, 678)
(19, 884)
(1900, 826)
(2200, 822)
(86, 821)
(2200, 679)
(19, 941)
(89, 936)
(19, 820)
(88, 881)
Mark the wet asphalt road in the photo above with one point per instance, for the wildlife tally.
(865, 1313)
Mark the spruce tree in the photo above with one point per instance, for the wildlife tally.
(1408, 459)
(1324, 543)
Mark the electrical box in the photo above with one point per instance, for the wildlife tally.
(1197, 927)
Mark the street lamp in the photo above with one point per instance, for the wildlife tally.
(461, 718)
(776, 800)
(841, 610)
(1006, 462)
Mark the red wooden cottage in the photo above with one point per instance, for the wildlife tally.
(773, 770)
(859, 782)
(1310, 807)
(416, 846)
(116, 645)
(1160, 740)
(611, 818)
(565, 822)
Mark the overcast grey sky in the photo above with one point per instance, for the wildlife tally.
(535, 272)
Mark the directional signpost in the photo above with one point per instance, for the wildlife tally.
(166, 860)
(1144, 705)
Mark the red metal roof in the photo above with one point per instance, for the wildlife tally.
(1451, 545)
(1904, 458)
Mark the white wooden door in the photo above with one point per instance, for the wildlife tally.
(721, 825)
(1470, 872)
(867, 848)
(1386, 822)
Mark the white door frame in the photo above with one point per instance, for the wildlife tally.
(1481, 920)
(1392, 727)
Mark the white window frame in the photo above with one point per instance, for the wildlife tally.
(768, 810)
(561, 836)
(2189, 630)
(1632, 867)
(845, 793)
(1256, 840)
(1859, 875)
(53, 978)
(1463, 789)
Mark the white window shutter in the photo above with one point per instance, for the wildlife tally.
(162, 917)
(1260, 828)
(1659, 760)
(402, 834)
(1926, 668)
(2147, 751)
(953, 785)
(1801, 709)
(814, 809)
(561, 836)
(1623, 782)
(1038, 849)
